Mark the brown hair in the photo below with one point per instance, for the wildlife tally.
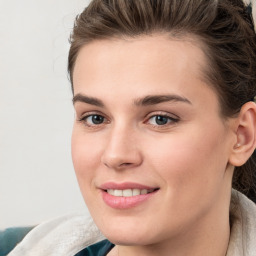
(224, 26)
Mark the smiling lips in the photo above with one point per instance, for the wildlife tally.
(126, 195)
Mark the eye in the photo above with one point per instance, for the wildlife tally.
(161, 120)
(91, 120)
(95, 119)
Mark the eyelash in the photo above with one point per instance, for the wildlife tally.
(170, 120)
(85, 122)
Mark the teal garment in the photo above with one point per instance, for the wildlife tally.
(10, 237)
(101, 248)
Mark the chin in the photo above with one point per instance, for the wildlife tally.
(128, 240)
(130, 235)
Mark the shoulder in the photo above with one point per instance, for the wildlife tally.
(62, 236)
(10, 237)
(243, 226)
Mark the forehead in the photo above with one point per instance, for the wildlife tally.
(147, 60)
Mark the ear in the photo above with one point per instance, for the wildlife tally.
(245, 128)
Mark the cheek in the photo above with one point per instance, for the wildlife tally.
(190, 166)
(85, 156)
(86, 159)
(194, 158)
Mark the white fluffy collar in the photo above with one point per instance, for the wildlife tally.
(243, 226)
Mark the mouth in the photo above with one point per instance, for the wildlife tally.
(126, 195)
(129, 192)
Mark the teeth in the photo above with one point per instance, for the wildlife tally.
(143, 192)
(118, 192)
(135, 192)
(111, 192)
(129, 192)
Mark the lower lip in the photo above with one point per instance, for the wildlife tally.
(120, 202)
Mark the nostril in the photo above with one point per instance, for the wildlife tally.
(121, 160)
(125, 164)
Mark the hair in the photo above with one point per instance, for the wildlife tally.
(224, 28)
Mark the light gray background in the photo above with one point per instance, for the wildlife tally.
(37, 181)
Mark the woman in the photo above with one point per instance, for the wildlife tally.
(163, 98)
(166, 125)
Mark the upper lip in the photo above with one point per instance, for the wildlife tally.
(124, 185)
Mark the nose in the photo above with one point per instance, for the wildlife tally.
(121, 151)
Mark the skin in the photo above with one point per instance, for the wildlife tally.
(188, 160)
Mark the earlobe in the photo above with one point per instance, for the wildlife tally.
(245, 135)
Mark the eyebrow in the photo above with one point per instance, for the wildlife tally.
(157, 99)
(145, 101)
(86, 99)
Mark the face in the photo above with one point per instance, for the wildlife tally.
(149, 146)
